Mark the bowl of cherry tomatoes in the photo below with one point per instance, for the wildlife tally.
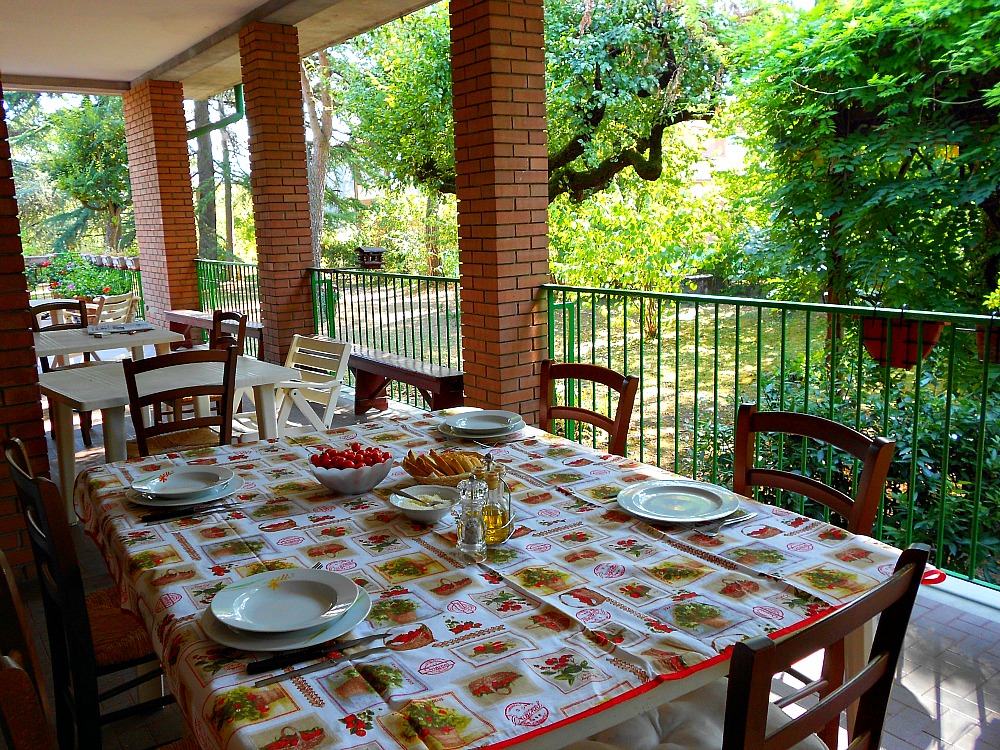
(352, 470)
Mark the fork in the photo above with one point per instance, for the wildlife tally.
(739, 517)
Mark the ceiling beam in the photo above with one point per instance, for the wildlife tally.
(60, 85)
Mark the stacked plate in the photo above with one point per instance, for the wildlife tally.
(185, 485)
(678, 501)
(285, 609)
(483, 425)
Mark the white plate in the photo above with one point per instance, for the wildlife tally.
(247, 641)
(478, 422)
(280, 601)
(508, 432)
(678, 501)
(233, 485)
(184, 481)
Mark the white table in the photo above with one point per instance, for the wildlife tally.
(103, 387)
(77, 340)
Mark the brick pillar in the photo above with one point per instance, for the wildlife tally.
(160, 173)
(20, 400)
(269, 57)
(498, 86)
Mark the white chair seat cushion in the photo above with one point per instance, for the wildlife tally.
(691, 722)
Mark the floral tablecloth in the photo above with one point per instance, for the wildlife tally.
(583, 605)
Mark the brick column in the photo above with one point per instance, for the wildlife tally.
(269, 57)
(20, 400)
(160, 173)
(498, 86)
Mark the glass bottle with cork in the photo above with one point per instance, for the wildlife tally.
(498, 520)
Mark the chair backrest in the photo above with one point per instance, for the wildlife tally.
(755, 662)
(15, 634)
(875, 455)
(164, 381)
(74, 669)
(625, 385)
(218, 338)
(117, 308)
(63, 315)
(320, 360)
(22, 717)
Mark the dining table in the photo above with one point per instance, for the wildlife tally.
(587, 615)
(102, 387)
(78, 340)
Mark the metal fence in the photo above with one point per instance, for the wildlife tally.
(415, 316)
(223, 285)
(697, 357)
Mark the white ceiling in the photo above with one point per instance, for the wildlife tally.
(107, 46)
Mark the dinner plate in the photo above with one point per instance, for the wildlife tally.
(507, 432)
(678, 501)
(478, 422)
(217, 493)
(279, 601)
(248, 641)
(184, 481)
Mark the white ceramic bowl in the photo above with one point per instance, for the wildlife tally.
(352, 481)
(417, 512)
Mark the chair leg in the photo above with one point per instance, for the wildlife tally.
(86, 422)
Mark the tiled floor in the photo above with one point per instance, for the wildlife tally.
(947, 692)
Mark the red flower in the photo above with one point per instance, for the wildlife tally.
(107, 289)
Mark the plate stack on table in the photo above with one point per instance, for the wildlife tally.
(285, 609)
(483, 425)
(185, 486)
(678, 501)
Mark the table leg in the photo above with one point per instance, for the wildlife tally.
(162, 349)
(267, 418)
(857, 646)
(369, 391)
(62, 429)
(113, 420)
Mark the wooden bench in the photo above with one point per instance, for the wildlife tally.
(187, 322)
(374, 370)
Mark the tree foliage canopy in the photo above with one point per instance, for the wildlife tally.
(619, 73)
(876, 123)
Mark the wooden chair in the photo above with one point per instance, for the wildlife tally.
(875, 455)
(219, 338)
(64, 315)
(163, 382)
(116, 308)
(737, 714)
(15, 635)
(625, 385)
(323, 364)
(89, 636)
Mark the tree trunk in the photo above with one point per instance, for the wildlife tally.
(431, 233)
(227, 191)
(208, 242)
(319, 111)
(113, 229)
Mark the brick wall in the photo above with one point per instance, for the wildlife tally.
(269, 56)
(498, 86)
(20, 400)
(159, 169)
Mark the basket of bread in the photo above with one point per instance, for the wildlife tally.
(446, 469)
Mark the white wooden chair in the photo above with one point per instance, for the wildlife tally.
(323, 364)
(116, 308)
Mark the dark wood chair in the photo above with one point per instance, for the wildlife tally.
(15, 635)
(219, 338)
(64, 315)
(163, 383)
(874, 454)
(737, 714)
(626, 386)
(89, 636)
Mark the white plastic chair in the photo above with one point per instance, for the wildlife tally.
(323, 364)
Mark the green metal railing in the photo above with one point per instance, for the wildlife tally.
(223, 285)
(416, 316)
(697, 357)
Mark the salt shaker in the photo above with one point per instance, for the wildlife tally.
(471, 531)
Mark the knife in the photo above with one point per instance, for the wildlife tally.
(187, 512)
(315, 651)
(324, 664)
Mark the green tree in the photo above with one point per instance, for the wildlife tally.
(618, 76)
(85, 157)
(876, 126)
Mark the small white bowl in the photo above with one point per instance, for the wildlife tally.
(417, 512)
(352, 481)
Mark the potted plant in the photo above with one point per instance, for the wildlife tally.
(992, 329)
(899, 340)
